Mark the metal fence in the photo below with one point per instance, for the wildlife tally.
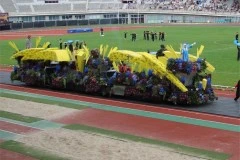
(23, 25)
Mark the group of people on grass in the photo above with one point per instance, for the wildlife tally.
(154, 35)
(147, 35)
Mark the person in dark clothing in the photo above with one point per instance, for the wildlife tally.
(236, 36)
(159, 36)
(70, 47)
(160, 51)
(147, 34)
(134, 36)
(65, 45)
(144, 35)
(152, 36)
(163, 36)
(237, 90)
(77, 45)
(101, 32)
(60, 43)
(125, 35)
(155, 34)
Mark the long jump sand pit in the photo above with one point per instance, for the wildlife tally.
(79, 145)
(32, 109)
(82, 145)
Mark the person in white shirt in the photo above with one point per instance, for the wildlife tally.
(28, 42)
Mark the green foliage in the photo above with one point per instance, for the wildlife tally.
(218, 41)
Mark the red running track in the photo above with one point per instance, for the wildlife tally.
(15, 128)
(150, 108)
(178, 133)
(9, 155)
(186, 134)
(11, 35)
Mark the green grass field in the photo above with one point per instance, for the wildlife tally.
(218, 41)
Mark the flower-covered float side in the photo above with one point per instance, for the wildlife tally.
(108, 72)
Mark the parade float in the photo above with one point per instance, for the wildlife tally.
(108, 71)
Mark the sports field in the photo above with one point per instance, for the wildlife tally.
(218, 41)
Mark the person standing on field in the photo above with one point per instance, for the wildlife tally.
(237, 90)
(134, 37)
(163, 36)
(28, 42)
(60, 43)
(101, 32)
(236, 36)
(125, 35)
(152, 36)
(159, 36)
(147, 34)
(238, 48)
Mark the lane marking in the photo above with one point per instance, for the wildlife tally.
(128, 103)
(149, 114)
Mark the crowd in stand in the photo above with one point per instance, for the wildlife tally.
(187, 5)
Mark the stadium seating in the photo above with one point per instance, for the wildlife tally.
(25, 1)
(8, 5)
(52, 7)
(24, 8)
(79, 7)
(38, 6)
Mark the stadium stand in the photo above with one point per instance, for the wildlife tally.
(120, 11)
(25, 1)
(39, 6)
(79, 7)
(52, 7)
(94, 6)
(24, 8)
(8, 5)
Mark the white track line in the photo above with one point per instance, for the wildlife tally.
(147, 106)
